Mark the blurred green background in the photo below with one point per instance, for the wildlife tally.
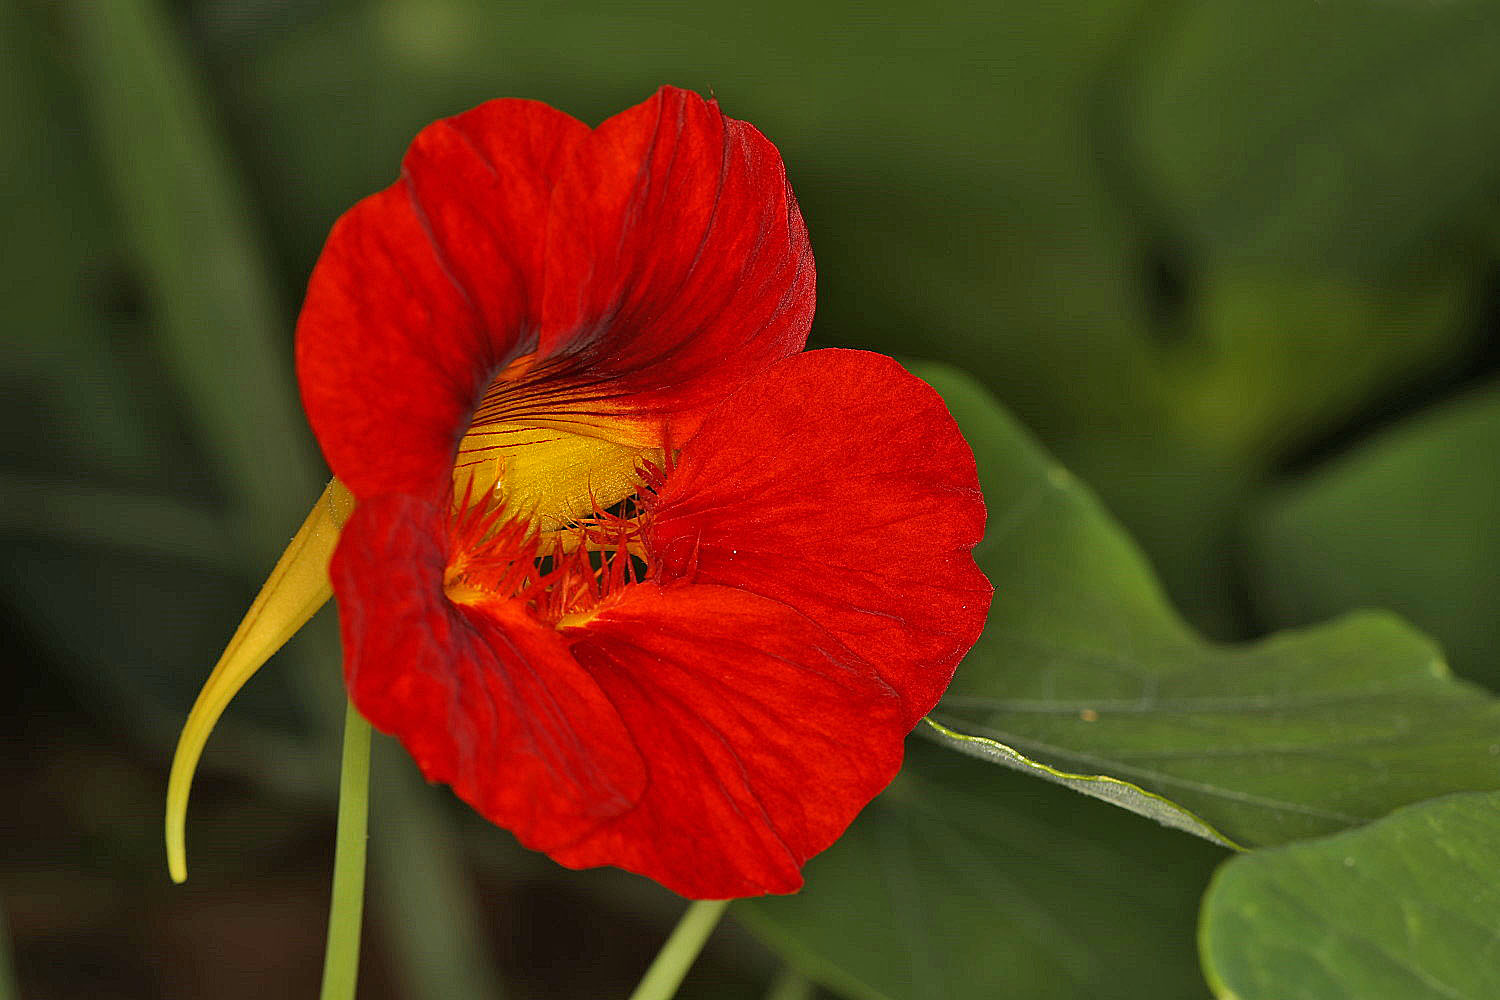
(1234, 261)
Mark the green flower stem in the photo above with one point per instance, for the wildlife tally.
(677, 955)
(346, 913)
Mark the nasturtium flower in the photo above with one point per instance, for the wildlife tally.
(643, 583)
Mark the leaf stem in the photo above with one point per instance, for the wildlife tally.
(346, 912)
(677, 955)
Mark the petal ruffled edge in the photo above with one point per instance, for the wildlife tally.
(677, 264)
(838, 484)
(424, 289)
(653, 264)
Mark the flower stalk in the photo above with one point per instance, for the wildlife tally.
(681, 950)
(346, 911)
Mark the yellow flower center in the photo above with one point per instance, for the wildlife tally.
(549, 476)
(543, 508)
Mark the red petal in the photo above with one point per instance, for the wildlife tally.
(422, 290)
(492, 704)
(838, 484)
(677, 261)
(482, 181)
(763, 735)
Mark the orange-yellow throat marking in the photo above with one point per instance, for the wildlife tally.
(550, 447)
(537, 475)
(551, 476)
(561, 575)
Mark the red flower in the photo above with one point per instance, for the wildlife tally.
(643, 584)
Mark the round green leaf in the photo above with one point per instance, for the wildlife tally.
(1085, 669)
(1403, 909)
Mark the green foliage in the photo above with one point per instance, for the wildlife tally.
(189, 226)
(1085, 667)
(1403, 909)
(964, 881)
(1103, 787)
(103, 516)
(1264, 127)
(64, 395)
(1406, 521)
